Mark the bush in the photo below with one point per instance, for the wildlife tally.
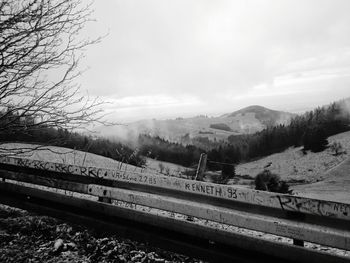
(161, 167)
(267, 181)
(336, 148)
(228, 170)
(190, 173)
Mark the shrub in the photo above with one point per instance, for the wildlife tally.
(228, 171)
(161, 167)
(267, 181)
(337, 148)
(190, 173)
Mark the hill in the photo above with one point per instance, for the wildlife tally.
(320, 175)
(335, 186)
(245, 121)
(265, 116)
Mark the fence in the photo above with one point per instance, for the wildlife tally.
(298, 218)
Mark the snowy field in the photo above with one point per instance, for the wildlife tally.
(322, 175)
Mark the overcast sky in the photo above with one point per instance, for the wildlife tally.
(182, 58)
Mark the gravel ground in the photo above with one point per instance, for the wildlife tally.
(26, 237)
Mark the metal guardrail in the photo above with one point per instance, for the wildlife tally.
(298, 218)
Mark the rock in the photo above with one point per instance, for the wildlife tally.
(71, 246)
(103, 240)
(122, 258)
(136, 258)
(4, 237)
(58, 246)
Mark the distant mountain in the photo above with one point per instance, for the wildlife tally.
(247, 120)
(265, 116)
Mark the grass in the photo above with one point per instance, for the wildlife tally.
(68, 156)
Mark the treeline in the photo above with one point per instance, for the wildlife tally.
(64, 138)
(161, 149)
(200, 141)
(309, 130)
(317, 124)
(220, 126)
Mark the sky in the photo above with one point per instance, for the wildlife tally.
(165, 59)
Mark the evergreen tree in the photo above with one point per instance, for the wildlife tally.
(315, 139)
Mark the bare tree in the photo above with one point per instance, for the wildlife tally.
(40, 49)
(337, 148)
(161, 167)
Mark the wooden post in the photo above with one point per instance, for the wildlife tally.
(201, 167)
(199, 175)
(298, 242)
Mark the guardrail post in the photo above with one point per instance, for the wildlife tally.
(105, 199)
(2, 177)
(298, 242)
(299, 217)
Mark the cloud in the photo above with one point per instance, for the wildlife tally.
(216, 50)
(158, 106)
(156, 101)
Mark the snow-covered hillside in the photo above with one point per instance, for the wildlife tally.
(324, 175)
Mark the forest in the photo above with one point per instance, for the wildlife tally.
(309, 130)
